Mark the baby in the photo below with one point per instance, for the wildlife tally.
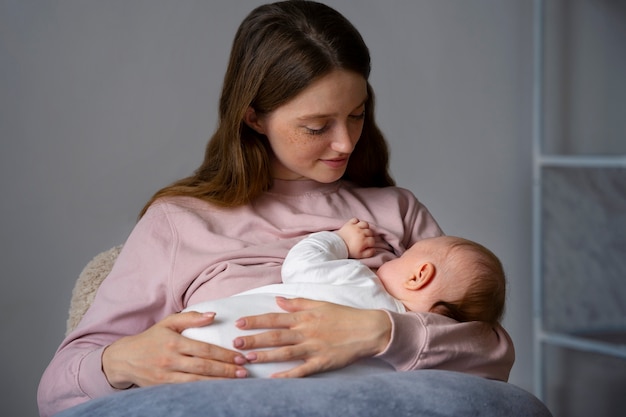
(446, 275)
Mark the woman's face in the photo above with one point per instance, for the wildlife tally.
(313, 134)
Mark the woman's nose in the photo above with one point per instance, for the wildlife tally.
(342, 141)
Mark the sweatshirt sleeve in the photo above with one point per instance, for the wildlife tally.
(137, 282)
(433, 341)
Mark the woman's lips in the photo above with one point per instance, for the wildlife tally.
(335, 163)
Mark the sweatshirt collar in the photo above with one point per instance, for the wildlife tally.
(301, 187)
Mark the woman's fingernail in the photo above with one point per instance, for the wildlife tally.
(251, 357)
(240, 323)
(241, 373)
(209, 314)
(240, 360)
(238, 343)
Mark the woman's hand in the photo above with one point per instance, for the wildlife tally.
(162, 355)
(325, 336)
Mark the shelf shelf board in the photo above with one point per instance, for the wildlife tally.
(613, 344)
(590, 161)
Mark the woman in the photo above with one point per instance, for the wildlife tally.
(296, 151)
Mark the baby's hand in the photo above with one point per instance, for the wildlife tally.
(359, 238)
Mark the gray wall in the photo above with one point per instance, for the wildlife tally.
(103, 102)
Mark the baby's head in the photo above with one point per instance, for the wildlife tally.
(448, 275)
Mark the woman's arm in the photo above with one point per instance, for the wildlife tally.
(433, 341)
(328, 336)
(77, 371)
(130, 325)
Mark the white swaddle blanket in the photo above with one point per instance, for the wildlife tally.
(223, 331)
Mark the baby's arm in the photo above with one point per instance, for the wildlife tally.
(358, 237)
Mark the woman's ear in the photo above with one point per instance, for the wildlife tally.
(424, 274)
(252, 120)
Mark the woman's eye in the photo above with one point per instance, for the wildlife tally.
(359, 116)
(319, 131)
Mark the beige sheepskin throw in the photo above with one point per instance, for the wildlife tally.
(87, 285)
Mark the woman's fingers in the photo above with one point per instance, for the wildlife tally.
(279, 320)
(162, 355)
(202, 350)
(298, 304)
(195, 368)
(181, 321)
(307, 368)
(271, 338)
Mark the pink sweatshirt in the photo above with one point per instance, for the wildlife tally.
(184, 251)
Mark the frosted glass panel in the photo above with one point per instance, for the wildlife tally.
(585, 85)
(584, 249)
(580, 384)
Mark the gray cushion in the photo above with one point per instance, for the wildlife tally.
(416, 393)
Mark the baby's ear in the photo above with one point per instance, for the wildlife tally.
(422, 276)
(252, 120)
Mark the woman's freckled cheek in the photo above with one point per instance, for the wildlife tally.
(300, 139)
(289, 136)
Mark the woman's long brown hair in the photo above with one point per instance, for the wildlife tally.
(278, 51)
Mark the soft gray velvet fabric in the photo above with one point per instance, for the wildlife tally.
(429, 393)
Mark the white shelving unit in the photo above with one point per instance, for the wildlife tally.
(567, 187)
